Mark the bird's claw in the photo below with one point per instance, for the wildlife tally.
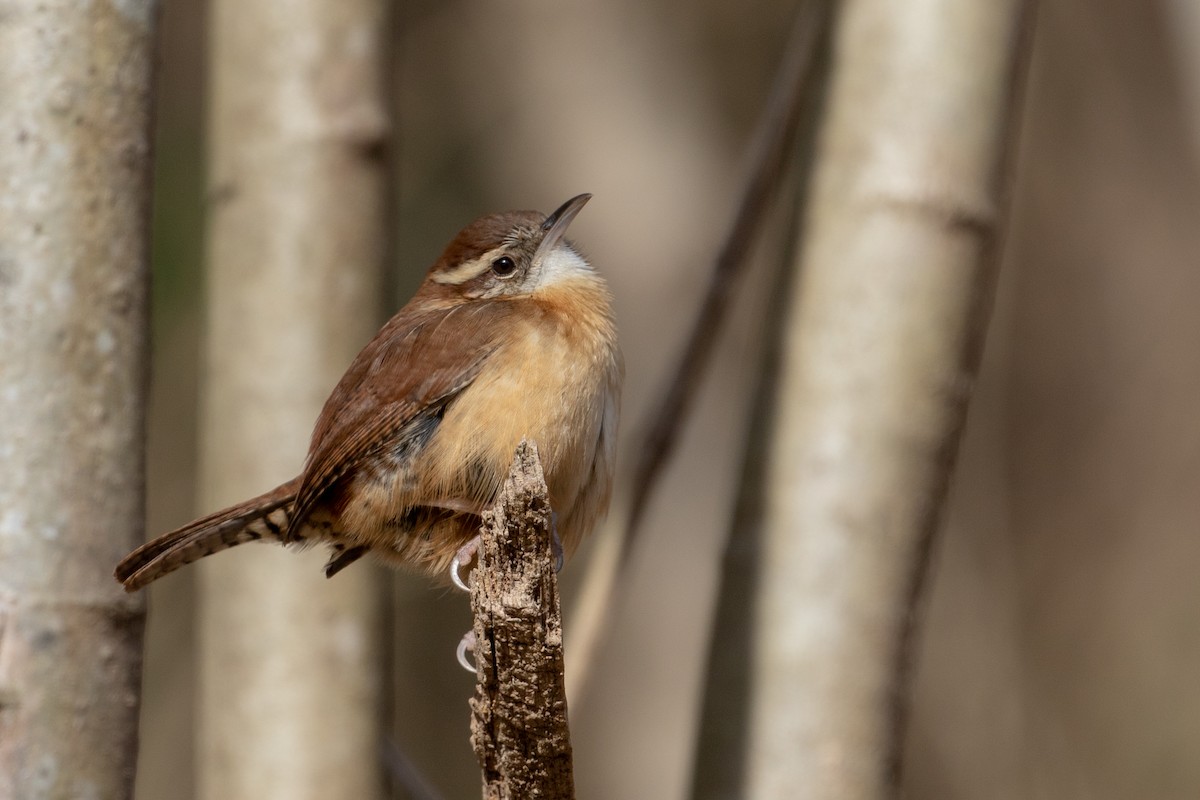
(464, 556)
(466, 645)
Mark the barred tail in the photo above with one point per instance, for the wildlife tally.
(264, 517)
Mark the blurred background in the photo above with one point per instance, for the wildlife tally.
(1061, 654)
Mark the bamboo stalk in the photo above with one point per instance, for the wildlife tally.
(75, 161)
(883, 342)
(291, 694)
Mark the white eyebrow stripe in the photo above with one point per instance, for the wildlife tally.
(468, 271)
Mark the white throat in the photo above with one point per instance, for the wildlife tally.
(562, 264)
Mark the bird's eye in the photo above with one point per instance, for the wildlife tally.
(504, 266)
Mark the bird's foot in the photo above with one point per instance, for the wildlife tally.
(466, 554)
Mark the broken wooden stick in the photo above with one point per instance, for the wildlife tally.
(519, 712)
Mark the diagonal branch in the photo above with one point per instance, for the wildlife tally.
(797, 85)
(519, 712)
(774, 135)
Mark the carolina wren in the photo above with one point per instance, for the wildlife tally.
(510, 336)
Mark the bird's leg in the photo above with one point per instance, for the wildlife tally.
(456, 505)
(466, 554)
(556, 546)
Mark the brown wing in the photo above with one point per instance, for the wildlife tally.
(419, 360)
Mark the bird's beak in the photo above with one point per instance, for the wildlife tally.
(556, 224)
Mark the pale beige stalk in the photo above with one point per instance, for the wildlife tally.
(290, 661)
(75, 83)
(878, 362)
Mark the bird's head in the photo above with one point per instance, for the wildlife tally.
(511, 254)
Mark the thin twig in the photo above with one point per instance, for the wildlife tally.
(772, 143)
(720, 755)
(519, 712)
(795, 85)
(405, 775)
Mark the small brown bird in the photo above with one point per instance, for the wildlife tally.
(510, 336)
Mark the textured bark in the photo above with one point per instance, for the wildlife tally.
(74, 187)
(291, 690)
(884, 338)
(519, 712)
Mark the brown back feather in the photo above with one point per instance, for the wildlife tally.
(423, 357)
